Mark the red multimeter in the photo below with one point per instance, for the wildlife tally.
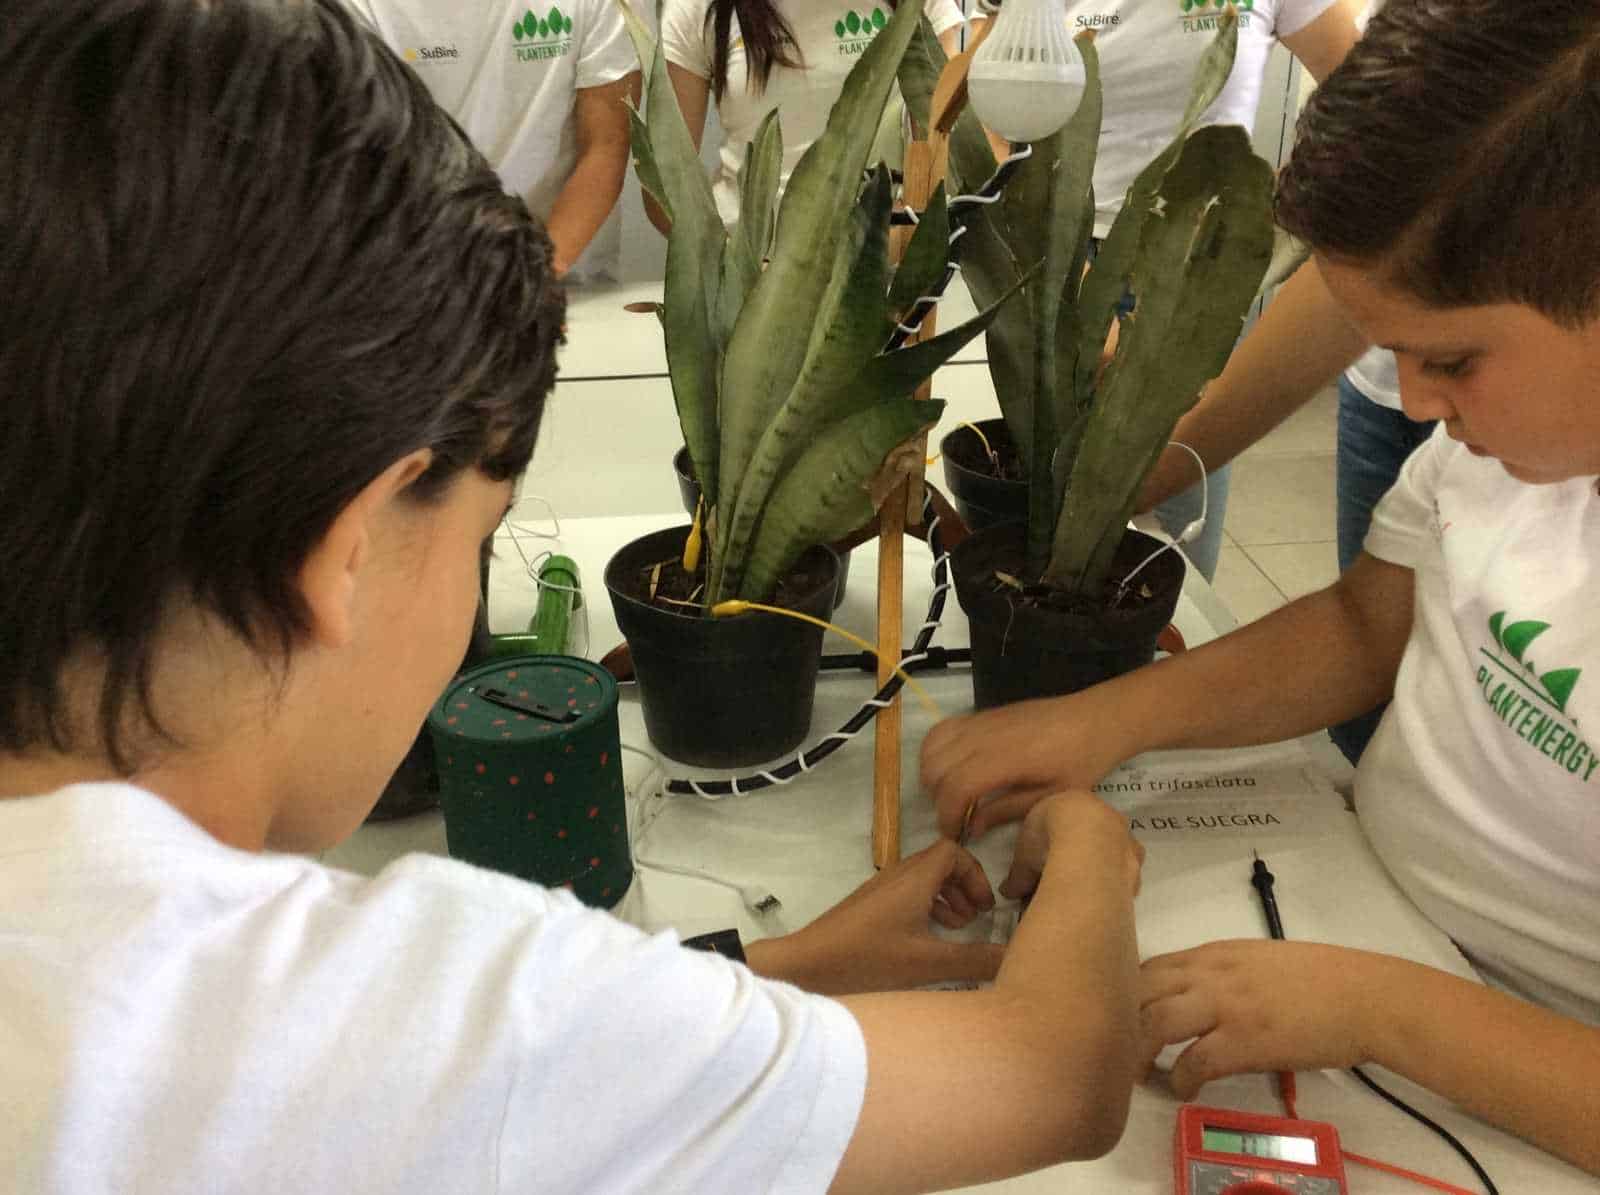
(1223, 1152)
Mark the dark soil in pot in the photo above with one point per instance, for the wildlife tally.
(987, 490)
(689, 492)
(719, 692)
(1035, 642)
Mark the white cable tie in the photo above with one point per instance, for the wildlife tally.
(801, 760)
(908, 329)
(775, 781)
(841, 736)
(882, 705)
(733, 783)
(917, 659)
(955, 266)
(931, 625)
(911, 214)
(959, 232)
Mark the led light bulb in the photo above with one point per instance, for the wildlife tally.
(1027, 77)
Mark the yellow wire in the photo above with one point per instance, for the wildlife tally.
(739, 606)
(982, 439)
(977, 431)
(691, 545)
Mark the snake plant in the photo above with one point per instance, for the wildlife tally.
(775, 333)
(1193, 241)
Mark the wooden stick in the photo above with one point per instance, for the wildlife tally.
(924, 167)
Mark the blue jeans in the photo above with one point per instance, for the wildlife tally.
(1374, 441)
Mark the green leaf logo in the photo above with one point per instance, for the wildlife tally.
(557, 20)
(516, 30)
(1559, 684)
(838, 29)
(530, 24)
(853, 23)
(544, 28)
(878, 19)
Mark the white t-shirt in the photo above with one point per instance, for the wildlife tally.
(509, 72)
(829, 39)
(1377, 376)
(1481, 789)
(180, 1017)
(1148, 53)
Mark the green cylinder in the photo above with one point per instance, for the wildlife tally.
(530, 774)
(558, 598)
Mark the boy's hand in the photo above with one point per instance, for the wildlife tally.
(1075, 814)
(1256, 1006)
(1007, 759)
(878, 937)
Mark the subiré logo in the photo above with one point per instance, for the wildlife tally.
(855, 31)
(1531, 703)
(1197, 19)
(537, 37)
(431, 54)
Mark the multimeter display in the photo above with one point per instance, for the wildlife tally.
(1221, 1151)
(1259, 1145)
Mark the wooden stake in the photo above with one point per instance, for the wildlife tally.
(924, 167)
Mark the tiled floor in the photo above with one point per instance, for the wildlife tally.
(1279, 531)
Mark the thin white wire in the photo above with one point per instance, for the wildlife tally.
(1183, 536)
(755, 897)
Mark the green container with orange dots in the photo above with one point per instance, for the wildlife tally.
(530, 774)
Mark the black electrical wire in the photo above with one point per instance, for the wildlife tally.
(1445, 1134)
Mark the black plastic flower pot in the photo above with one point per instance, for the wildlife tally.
(689, 491)
(982, 498)
(1025, 648)
(721, 692)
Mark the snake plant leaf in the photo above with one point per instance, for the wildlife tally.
(746, 248)
(765, 355)
(971, 160)
(1203, 250)
(693, 283)
(923, 265)
(824, 496)
(1048, 209)
(1107, 280)
(849, 327)
(758, 188)
(644, 160)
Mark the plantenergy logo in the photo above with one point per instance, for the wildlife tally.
(1533, 704)
(855, 31)
(535, 37)
(1196, 18)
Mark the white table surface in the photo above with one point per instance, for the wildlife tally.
(1199, 814)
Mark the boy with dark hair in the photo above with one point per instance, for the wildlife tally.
(274, 343)
(1447, 177)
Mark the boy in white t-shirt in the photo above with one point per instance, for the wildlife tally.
(1473, 605)
(541, 88)
(275, 345)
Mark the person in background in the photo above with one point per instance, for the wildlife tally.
(1301, 344)
(543, 92)
(275, 347)
(749, 57)
(1472, 604)
(1148, 56)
